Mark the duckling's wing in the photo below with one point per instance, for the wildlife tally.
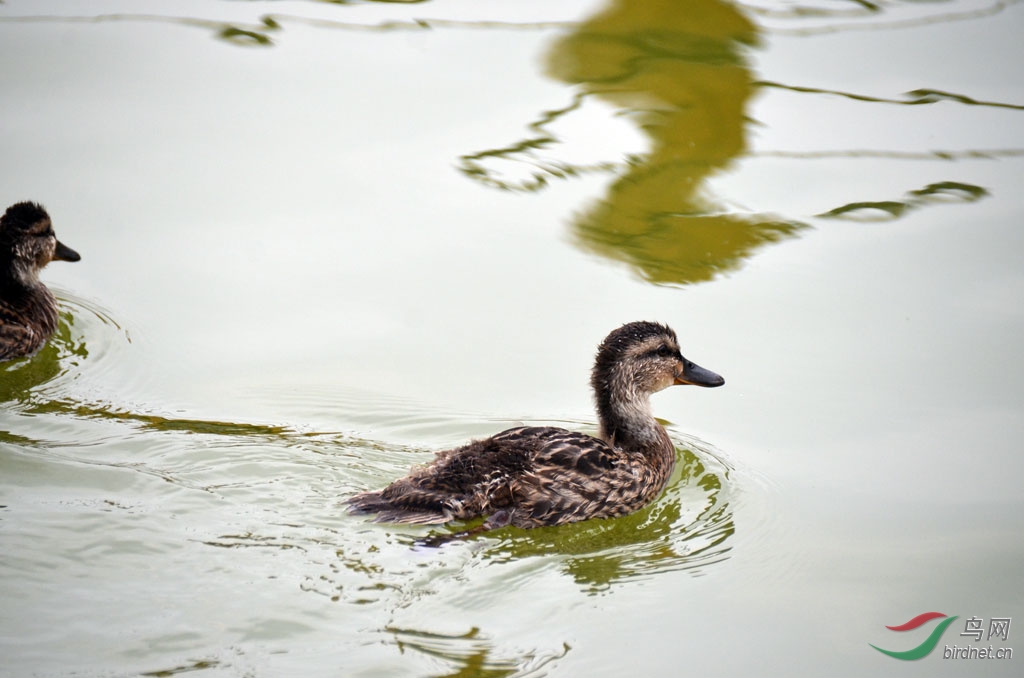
(573, 477)
(572, 452)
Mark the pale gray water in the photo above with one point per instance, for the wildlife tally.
(308, 264)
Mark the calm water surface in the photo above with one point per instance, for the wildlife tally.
(322, 240)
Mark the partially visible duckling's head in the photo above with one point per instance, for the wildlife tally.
(27, 242)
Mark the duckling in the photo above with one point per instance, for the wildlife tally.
(28, 311)
(542, 475)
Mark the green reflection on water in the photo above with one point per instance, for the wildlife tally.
(471, 653)
(200, 665)
(914, 97)
(154, 422)
(877, 210)
(598, 553)
(686, 529)
(35, 385)
(19, 377)
(243, 36)
(680, 70)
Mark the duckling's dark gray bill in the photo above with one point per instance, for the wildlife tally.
(65, 253)
(698, 376)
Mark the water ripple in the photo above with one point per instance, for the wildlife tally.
(88, 340)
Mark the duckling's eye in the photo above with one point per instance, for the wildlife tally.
(665, 352)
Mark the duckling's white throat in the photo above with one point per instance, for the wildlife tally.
(24, 272)
(633, 422)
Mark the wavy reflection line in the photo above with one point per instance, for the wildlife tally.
(918, 96)
(897, 24)
(941, 191)
(197, 665)
(420, 24)
(865, 9)
(519, 152)
(258, 33)
(232, 32)
(159, 423)
(16, 439)
(26, 382)
(249, 540)
(472, 653)
(969, 154)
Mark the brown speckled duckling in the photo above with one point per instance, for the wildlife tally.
(28, 311)
(542, 475)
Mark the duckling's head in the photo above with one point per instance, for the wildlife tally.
(642, 358)
(27, 241)
(633, 362)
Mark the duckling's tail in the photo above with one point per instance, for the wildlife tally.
(403, 509)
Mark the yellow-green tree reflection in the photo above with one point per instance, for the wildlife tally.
(678, 66)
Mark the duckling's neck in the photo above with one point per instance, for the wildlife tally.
(16, 273)
(21, 289)
(626, 419)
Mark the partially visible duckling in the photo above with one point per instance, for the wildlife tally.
(28, 311)
(542, 475)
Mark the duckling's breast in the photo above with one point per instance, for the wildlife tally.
(27, 319)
